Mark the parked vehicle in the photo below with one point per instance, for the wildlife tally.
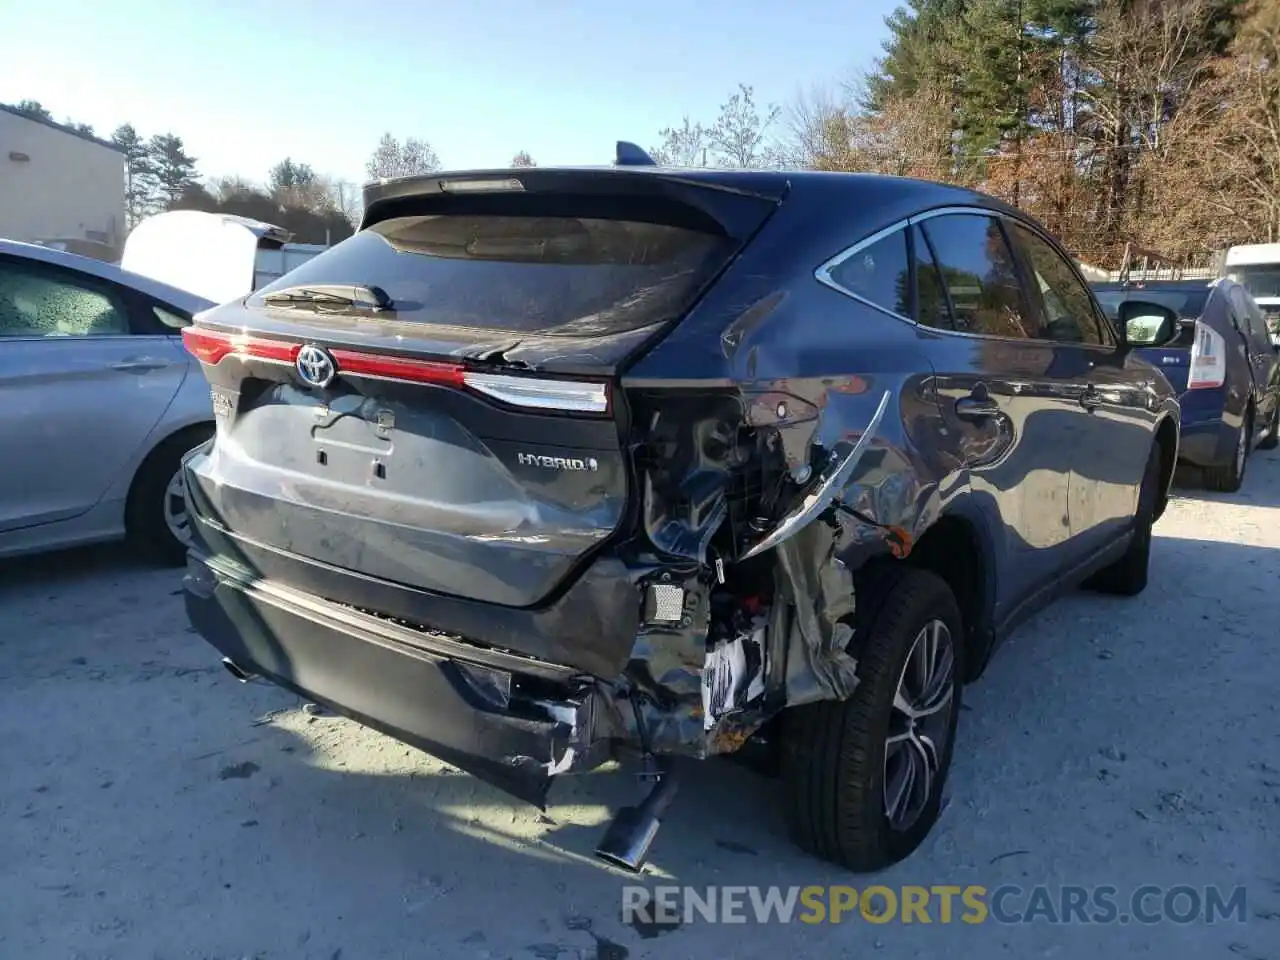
(236, 254)
(1222, 364)
(544, 466)
(98, 404)
(1257, 266)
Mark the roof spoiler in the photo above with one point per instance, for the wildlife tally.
(627, 154)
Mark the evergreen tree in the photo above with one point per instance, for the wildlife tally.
(174, 171)
(139, 179)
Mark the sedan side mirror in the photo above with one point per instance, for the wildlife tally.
(1146, 324)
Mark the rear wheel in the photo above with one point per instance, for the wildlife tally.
(864, 777)
(1128, 575)
(1271, 439)
(156, 521)
(1228, 477)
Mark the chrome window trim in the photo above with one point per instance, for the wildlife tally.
(823, 275)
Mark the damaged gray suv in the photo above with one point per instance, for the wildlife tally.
(546, 467)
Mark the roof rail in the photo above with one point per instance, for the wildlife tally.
(629, 155)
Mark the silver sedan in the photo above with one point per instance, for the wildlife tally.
(99, 403)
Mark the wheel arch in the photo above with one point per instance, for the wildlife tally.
(958, 548)
(195, 430)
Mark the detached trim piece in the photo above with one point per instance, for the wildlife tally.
(830, 483)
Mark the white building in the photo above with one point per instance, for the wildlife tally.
(56, 184)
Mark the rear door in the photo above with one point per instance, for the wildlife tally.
(1004, 393)
(467, 441)
(83, 380)
(1113, 433)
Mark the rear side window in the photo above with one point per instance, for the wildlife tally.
(980, 277)
(549, 275)
(1066, 307)
(40, 301)
(879, 273)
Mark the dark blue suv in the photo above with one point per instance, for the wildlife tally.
(1223, 365)
(548, 466)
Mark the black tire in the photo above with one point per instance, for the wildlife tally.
(145, 524)
(1271, 439)
(1127, 577)
(834, 752)
(1228, 477)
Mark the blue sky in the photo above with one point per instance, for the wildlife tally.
(247, 83)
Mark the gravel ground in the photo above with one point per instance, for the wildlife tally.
(152, 807)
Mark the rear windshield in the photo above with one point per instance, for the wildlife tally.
(1262, 280)
(550, 275)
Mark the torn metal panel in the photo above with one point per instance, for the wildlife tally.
(738, 657)
(819, 590)
(842, 461)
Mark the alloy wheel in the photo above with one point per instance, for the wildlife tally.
(919, 725)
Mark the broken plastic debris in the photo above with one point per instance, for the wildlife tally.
(733, 675)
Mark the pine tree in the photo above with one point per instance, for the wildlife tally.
(139, 179)
(174, 171)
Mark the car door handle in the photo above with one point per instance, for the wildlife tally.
(976, 408)
(139, 365)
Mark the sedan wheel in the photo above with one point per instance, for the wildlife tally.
(156, 516)
(176, 518)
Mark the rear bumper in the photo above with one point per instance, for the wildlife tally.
(511, 721)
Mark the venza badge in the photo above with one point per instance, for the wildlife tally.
(316, 366)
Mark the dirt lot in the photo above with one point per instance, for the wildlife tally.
(152, 807)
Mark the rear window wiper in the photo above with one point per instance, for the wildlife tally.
(332, 295)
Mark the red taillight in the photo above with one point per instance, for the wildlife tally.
(535, 393)
(397, 368)
(204, 346)
(212, 346)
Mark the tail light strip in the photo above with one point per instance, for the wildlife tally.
(570, 396)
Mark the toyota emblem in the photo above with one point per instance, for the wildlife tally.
(315, 366)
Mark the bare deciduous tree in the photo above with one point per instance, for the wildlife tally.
(682, 146)
(737, 138)
(391, 158)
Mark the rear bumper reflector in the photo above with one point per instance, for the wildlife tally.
(535, 393)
